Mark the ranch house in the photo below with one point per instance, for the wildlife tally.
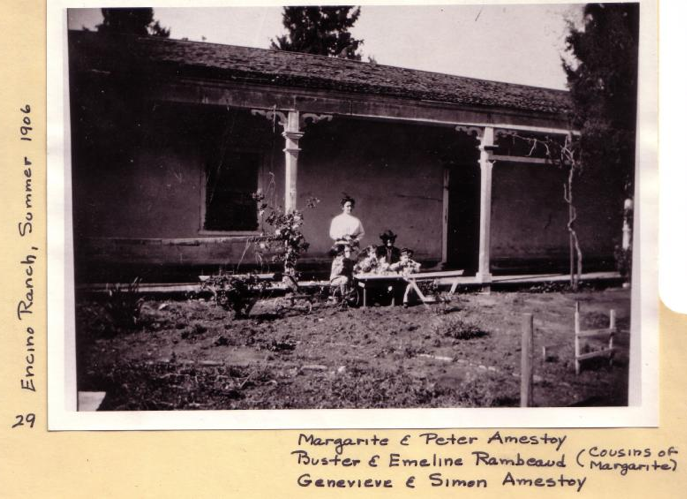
(170, 138)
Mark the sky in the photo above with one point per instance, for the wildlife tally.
(510, 43)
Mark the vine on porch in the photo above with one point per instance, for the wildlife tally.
(565, 155)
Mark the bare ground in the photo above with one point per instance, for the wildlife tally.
(192, 354)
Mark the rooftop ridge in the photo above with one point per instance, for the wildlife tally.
(283, 68)
(335, 60)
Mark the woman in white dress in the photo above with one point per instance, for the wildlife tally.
(345, 228)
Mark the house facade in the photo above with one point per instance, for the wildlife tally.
(170, 138)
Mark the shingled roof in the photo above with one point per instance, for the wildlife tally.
(95, 51)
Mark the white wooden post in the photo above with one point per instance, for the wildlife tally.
(444, 215)
(292, 122)
(485, 165)
(292, 134)
(577, 338)
(526, 348)
(612, 327)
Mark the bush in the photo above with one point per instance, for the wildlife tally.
(284, 235)
(237, 292)
(623, 261)
(124, 304)
(456, 328)
(433, 289)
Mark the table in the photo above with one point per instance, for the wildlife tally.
(379, 281)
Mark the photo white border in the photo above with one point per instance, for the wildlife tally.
(62, 415)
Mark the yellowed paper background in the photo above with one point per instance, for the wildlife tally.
(38, 463)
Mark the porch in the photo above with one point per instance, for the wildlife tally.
(470, 282)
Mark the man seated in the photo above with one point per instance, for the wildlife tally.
(387, 253)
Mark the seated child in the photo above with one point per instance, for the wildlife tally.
(368, 262)
(405, 267)
(342, 268)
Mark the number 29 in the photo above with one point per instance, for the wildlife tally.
(29, 418)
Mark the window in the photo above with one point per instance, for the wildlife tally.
(229, 188)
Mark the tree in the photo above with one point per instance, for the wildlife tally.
(563, 153)
(602, 78)
(138, 21)
(320, 30)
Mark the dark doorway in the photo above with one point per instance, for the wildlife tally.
(463, 215)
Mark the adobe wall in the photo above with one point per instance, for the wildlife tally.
(529, 214)
(138, 188)
(393, 171)
(144, 181)
(133, 193)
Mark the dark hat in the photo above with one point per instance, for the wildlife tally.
(387, 235)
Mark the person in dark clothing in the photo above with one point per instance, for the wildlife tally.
(387, 250)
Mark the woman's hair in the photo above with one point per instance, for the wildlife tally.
(346, 199)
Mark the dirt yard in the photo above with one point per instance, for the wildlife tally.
(192, 354)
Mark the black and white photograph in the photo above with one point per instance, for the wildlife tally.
(351, 207)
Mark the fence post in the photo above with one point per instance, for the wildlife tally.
(526, 361)
(577, 338)
(612, 327)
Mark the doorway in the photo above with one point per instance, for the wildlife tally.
(462, 205)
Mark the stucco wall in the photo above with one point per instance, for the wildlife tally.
(139, 177)
(148, 183)
(393, 171)
(529, 214)
(153, 190)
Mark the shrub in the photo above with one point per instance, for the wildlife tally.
(124, 304)
(283, 236)
(456, 328)
(433, 289)
(623, 261)
(238, 292)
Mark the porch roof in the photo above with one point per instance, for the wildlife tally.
(133, 55)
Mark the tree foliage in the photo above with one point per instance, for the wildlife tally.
(320, 30)
(283, 236)
(139, 21)
(602, 79)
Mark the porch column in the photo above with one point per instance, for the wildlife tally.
(292, 134)
(292, 122)
(444, 216)
(485, 164)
